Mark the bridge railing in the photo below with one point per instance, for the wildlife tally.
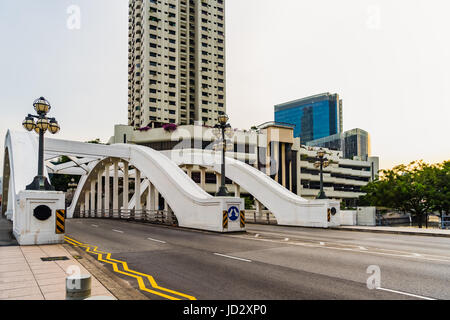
(161, 217)
(264, 217)
(445, 222)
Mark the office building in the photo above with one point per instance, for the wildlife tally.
(354, 144)
(272, 149)
(314, 117)
(176, 62)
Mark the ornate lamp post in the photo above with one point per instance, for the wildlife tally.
(222, 129)
(321, 163)
(42, 124)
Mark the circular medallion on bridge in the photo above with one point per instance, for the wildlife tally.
(233, 213)
(333, 211)
(42, 213)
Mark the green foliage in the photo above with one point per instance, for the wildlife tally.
(63, 159)
(61, 181)
(248, 203)
(417, 188)
(95, 141)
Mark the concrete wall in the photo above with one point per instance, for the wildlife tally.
(348, 218)
(366, 216)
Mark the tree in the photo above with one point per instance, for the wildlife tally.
(440, 176)
(408, 188)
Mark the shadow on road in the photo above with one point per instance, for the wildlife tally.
(6, 233)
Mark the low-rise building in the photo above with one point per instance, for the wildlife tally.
(354, 143)
(272, 149)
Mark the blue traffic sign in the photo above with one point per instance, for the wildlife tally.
(233, 213)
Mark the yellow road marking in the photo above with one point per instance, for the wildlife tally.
(136, 275)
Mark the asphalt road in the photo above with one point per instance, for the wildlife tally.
(273, 262)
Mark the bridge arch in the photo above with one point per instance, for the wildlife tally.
(193, 207)
(287, 207)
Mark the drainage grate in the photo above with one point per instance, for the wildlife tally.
(54, 259)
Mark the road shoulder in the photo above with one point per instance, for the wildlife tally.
(120, 288)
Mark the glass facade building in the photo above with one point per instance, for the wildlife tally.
(353, 143)
(313, 117)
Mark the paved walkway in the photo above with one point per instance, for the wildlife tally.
(24, 276)
(399, 230)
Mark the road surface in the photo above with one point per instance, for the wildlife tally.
(274, 262)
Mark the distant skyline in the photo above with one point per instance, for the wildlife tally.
(388, 60)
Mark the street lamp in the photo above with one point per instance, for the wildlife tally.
(223, 129)
(41, 126)
(321, 163)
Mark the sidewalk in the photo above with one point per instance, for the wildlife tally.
(24, 276)
(399, 230)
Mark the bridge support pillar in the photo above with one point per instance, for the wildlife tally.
(137, 189)
(36, 221)
(126, 181)
(99, 193)
(86, 204)
(203, 178)
(156, 202)
(167, 213)
(92, 215)
(151, 202)
(107, 168)
(237, 190)
(116, 191)
(218, 180)
(189, 171)
(258, 208)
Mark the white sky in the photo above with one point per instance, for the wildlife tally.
(389, 61)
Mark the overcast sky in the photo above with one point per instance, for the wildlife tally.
(388, 60)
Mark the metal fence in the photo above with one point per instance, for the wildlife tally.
(445, 222)
(149, 216)
(265, 217)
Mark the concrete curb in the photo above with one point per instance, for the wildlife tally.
(410, 233)
(120, 288)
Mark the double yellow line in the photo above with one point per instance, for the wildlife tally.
(131, 273)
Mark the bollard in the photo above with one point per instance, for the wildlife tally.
(78, 287)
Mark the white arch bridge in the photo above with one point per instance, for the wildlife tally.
(164, 191)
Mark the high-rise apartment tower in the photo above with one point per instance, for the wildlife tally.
(176, 62)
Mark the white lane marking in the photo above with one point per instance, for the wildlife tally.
(417, 255)
(156, 240)
(95, 226)
(286, 239)
(257, 235)
(230, 257)
(429, 256)
(406, 294)
(363, 249)
(118, 231)
(406, 255)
